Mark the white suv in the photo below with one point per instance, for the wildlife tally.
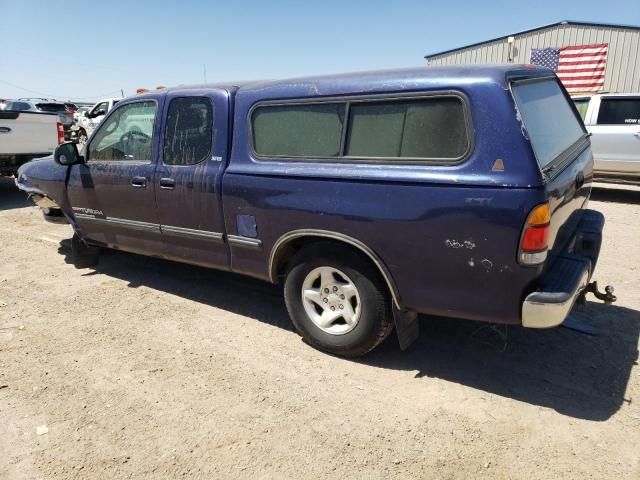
(613, 119)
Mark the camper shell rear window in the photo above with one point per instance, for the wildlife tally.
(550, 120)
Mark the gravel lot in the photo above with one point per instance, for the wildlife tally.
(150, 369)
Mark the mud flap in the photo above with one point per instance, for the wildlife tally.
(407, 327)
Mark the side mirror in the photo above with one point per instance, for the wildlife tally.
(67, 154)
(88, 114)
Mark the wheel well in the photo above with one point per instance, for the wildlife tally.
(284, 252)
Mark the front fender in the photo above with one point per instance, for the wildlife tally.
(45, 178)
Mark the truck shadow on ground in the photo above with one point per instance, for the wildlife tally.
(573, 373)
(616, 195)
(10, 196)
(576, 374)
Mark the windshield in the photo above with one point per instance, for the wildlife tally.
(550, 120)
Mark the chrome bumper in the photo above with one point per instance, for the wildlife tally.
(569, 275)
(550, 309)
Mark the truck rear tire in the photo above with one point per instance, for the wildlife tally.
(337, 301)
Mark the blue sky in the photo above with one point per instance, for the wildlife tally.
(86, 49)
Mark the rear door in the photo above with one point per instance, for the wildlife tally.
(113, 194)
(561, 146)
(616, 135)
(188, 178)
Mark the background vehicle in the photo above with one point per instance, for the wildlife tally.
(43, 105)
(613, 119)
(88, 122)
(71, 107)
(25, 136)
(372, 196)
(79, 112)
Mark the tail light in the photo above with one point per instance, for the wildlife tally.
(534, 242)
(60, 132)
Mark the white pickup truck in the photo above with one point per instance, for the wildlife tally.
(25, 136)
(88, 122)
(613, 119)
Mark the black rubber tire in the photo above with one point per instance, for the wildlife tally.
(375, 322)
(83, 255)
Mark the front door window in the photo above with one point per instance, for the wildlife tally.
(126, 135)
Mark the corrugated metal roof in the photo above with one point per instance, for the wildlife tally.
(504, 37)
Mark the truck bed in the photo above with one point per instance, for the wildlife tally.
(25, 135)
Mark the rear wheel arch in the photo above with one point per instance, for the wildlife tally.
(292, 242)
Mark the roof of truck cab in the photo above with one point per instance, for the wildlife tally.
(229, 86)
(436, 77)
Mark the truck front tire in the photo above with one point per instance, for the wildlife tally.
(83, 255)
(337, 301)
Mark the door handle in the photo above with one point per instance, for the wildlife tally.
(139, 182)
(167, 183)
(637, 134)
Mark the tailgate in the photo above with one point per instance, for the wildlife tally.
(563, 152)
(28, 133)
(568, 193)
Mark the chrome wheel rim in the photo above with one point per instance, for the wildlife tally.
(331, 300)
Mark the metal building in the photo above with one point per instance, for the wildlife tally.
(622, 73)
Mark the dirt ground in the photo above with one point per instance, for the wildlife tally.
(150, 369)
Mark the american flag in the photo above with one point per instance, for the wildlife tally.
(580, 68)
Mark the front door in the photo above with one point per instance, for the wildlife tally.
(188, 177)
(112, 194)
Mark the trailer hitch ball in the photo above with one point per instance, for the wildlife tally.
(607, 297)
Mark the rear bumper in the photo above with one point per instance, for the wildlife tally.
(561, 285)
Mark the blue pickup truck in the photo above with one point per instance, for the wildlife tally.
(372, 197)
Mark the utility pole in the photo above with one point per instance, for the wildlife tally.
(204, 71)
(122, 92)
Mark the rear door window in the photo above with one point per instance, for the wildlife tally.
(619, 111)
(550, 121)
(188, 131)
